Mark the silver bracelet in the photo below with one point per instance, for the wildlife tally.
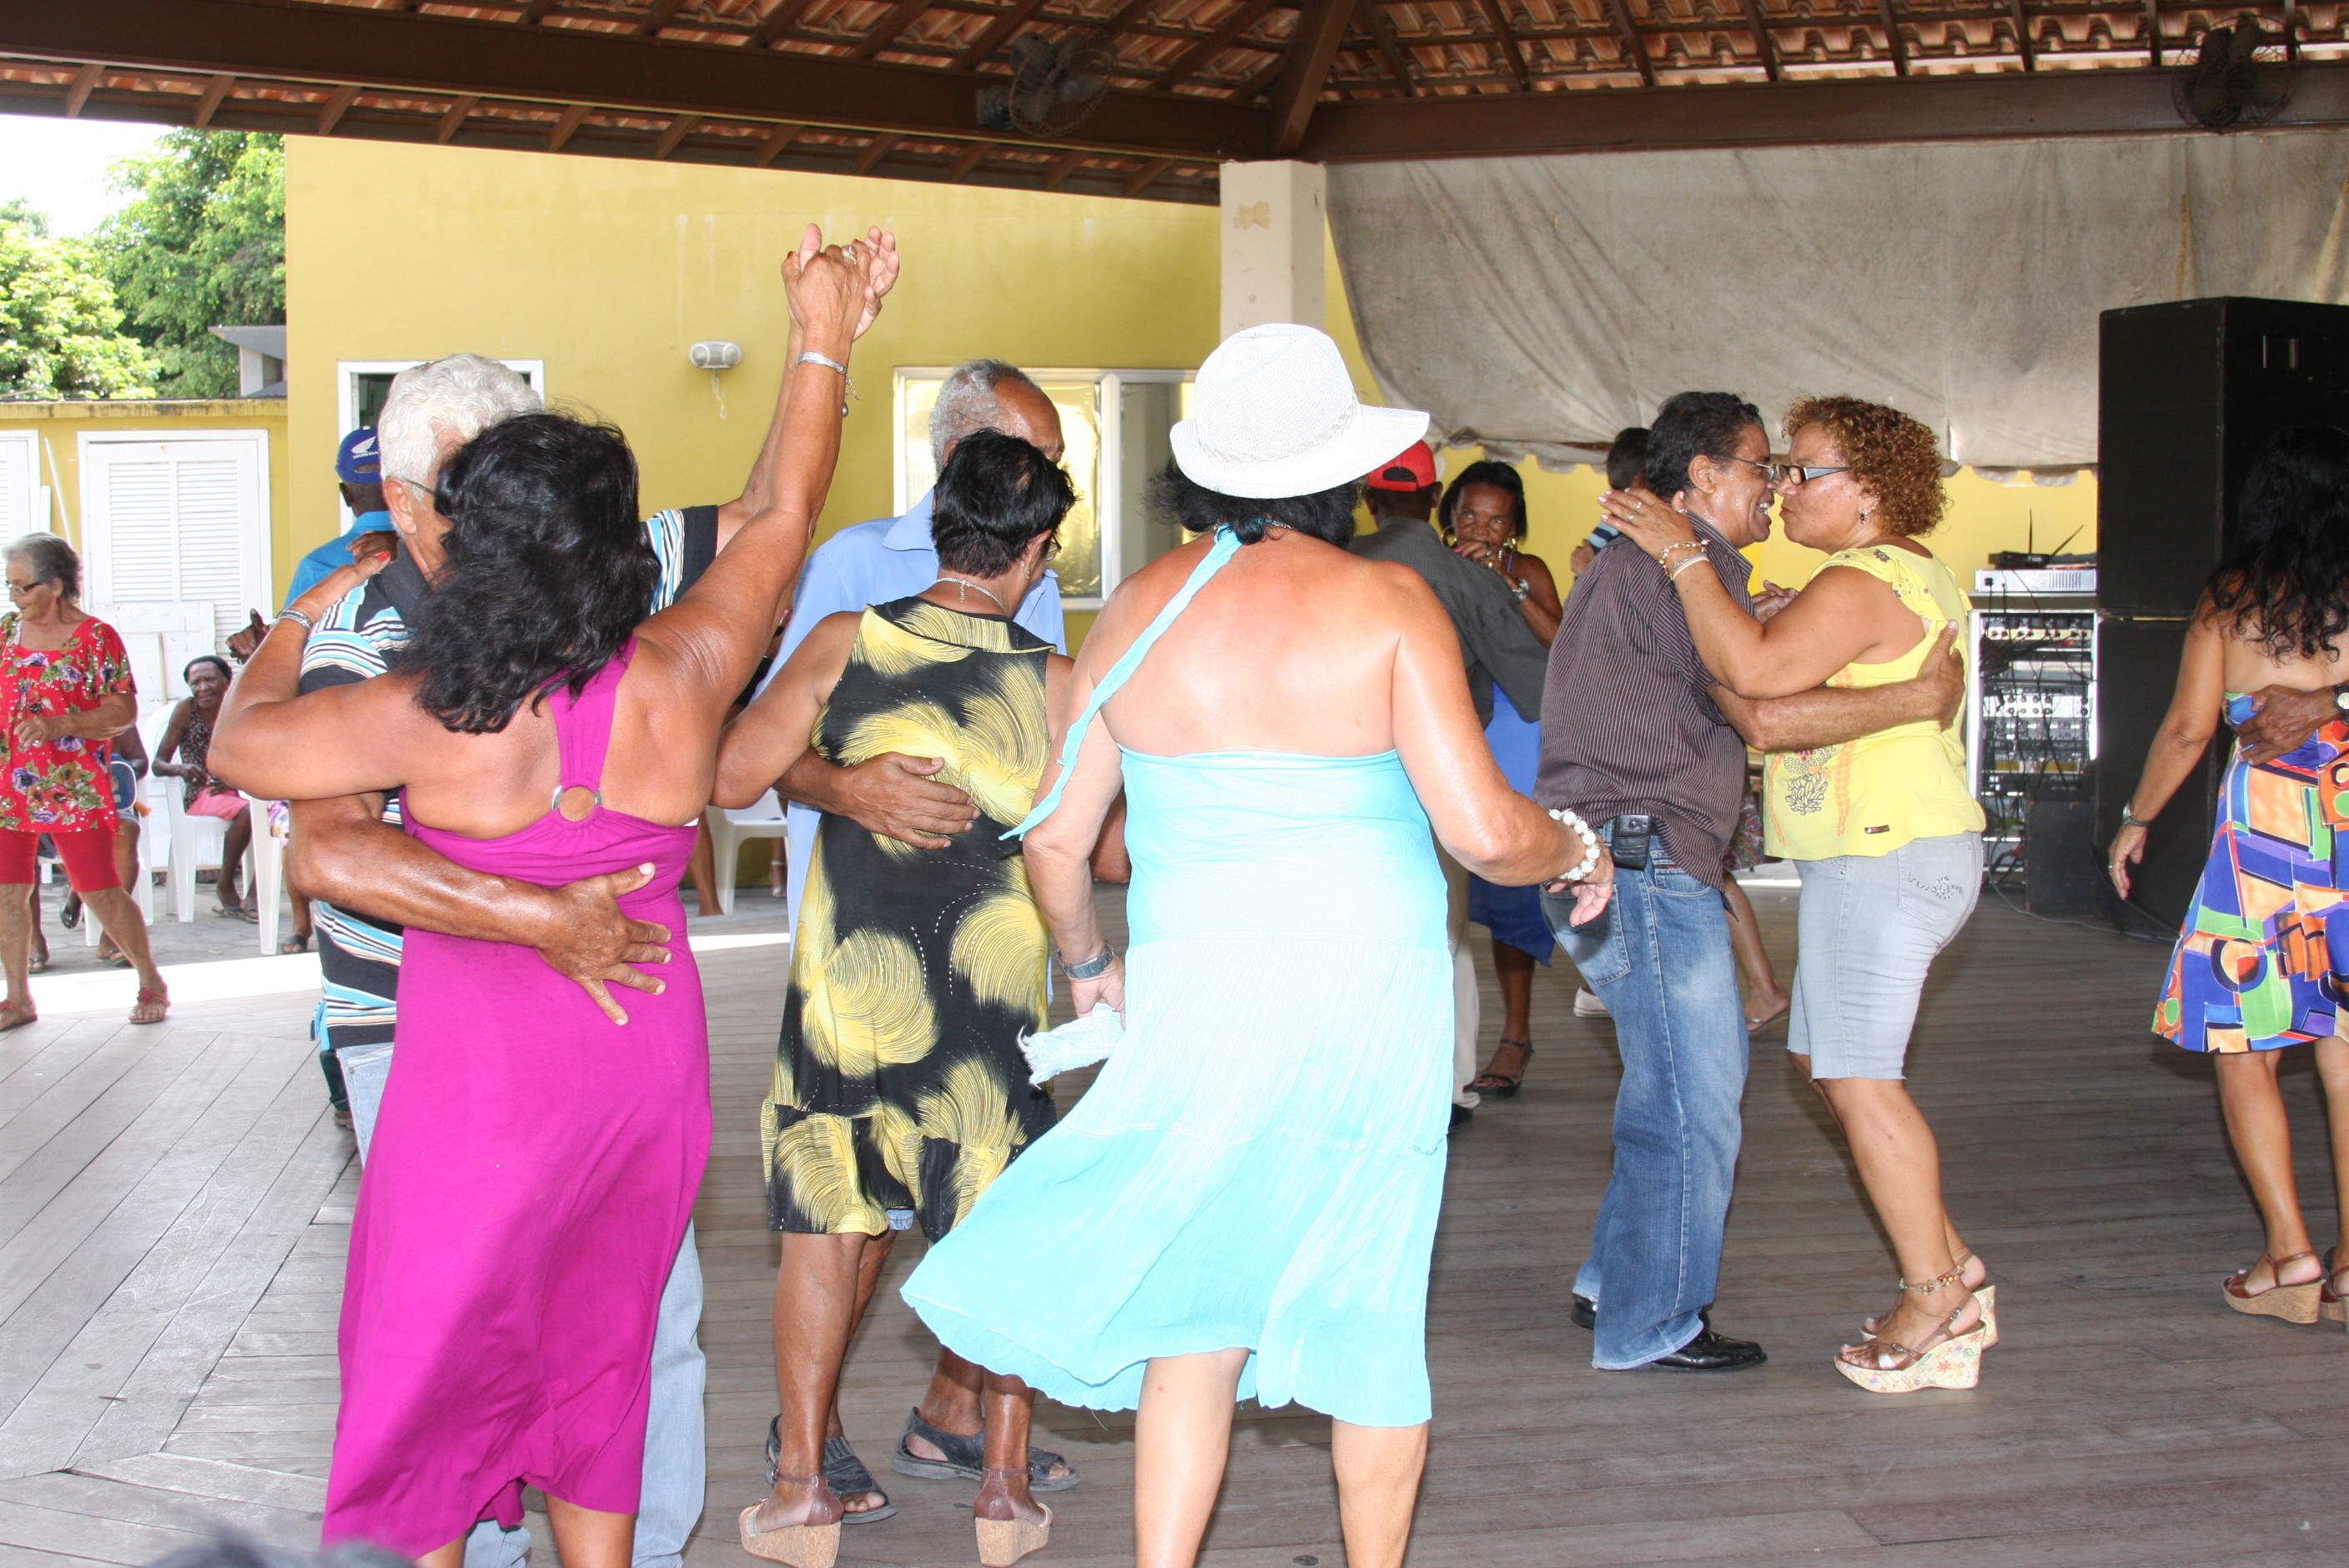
(1590, 845)
(1092, 968)
(2129, 819)
(1673, 576)
(290, 613)
(809, 357)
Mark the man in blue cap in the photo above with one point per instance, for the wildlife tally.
(361, 472)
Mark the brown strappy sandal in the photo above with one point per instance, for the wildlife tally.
(2293, 1303)
(151, 1006)
(1004, 1542)
(1500, 1086)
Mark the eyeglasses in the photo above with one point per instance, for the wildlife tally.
(1801, 473)
(18, 590)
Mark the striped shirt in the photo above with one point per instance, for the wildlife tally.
(1628, 722)
(358, 955)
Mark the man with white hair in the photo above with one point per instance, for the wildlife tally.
(891, 558)
(353, 857)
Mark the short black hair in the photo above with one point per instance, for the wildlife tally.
(1626, 458)
(995, 494)
(1486, 471)
(1692, 425)
(1327, 515)
(215, 660)
(547, 570)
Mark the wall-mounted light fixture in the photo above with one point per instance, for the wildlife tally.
(717, 357)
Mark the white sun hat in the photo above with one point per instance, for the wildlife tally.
(1276, 416)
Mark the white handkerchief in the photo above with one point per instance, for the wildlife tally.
(1073, 1045)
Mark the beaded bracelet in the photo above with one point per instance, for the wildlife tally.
(1567, 819)
(1673, 576)
(1665, 556)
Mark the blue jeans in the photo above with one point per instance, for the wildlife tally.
(677, 1460)
(1659, 958)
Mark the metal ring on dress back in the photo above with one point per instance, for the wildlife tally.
(594, 803)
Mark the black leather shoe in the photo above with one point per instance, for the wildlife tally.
(1710, 1352)
(1461, 1116)
(1585, 1312)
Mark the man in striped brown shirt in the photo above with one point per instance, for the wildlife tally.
(1635, 739)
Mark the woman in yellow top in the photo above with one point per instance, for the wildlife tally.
(1887, 836)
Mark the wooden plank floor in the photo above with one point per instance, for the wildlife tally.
(174, 1204)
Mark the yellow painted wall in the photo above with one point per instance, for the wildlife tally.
(58, 425)
(607, 269)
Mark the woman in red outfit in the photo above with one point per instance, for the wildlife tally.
(65, 688)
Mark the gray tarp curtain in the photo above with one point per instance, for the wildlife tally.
(1539, 305)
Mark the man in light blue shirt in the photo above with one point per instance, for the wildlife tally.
(892, 558)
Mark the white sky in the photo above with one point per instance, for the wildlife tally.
(59, 165)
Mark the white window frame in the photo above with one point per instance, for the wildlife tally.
(1109, 505)
(346, 393)
(37, 513)
(260, 558)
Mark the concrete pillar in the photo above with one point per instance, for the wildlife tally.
(1274, 224)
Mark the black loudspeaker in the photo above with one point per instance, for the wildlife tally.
(2059, 859)
(2137, 670)
(2187, 393)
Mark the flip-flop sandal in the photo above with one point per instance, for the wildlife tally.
(1754, 1025)
(147, 999)
(15, 1017)
(966, 1457)
(39, 964)
(117, 958)
(842, 1471)
(294, 945)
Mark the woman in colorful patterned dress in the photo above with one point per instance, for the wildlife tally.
(1886, 833)
(2265, 950)
(900, 1091)
(65, 688)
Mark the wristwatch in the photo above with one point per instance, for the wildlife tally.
(2340, 697)
(1519, 588)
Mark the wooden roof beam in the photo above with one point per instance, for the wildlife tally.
(1634, 47)
(1144, 177)
(1899, 44)
(972, 157)
(1243, 16)
(676, 132)
(1063, 167)
(2153, 32)
(1496, 14)
(215, 93)
(85, 82)
(566, 125)
(338, 104)
(454, 120)
(999, 32)
(658, 18)
(778, 21)
(2023, 34)
(448, 57)
(535, 13)
(896, 20)
(1312, 49)
(1762, 43)
(1381, 27)
(782, 137)
(876, 151)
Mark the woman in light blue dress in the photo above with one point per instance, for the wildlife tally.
(1243, 1204)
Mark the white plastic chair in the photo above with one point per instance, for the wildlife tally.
(730, 830)
(268, 874)
(196, 842)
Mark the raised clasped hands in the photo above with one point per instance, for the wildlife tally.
(1592, 893)
(835, 290)
(1655, 526)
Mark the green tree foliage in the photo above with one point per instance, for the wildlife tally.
(201, 243)
(60, 328)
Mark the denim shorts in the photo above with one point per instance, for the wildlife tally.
(1870, 926)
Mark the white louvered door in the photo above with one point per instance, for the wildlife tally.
(24, 503)
(178, 522)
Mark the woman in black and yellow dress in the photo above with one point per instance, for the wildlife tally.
(900, 1091)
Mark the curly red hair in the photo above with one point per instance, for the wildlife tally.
(1892, 454)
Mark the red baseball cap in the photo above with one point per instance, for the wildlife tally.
(1413, 468)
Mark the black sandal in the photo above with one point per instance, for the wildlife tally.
(844, 1472)
(966, 1457)
(1497, 1086)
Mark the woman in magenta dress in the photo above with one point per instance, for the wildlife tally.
(535, 1163)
